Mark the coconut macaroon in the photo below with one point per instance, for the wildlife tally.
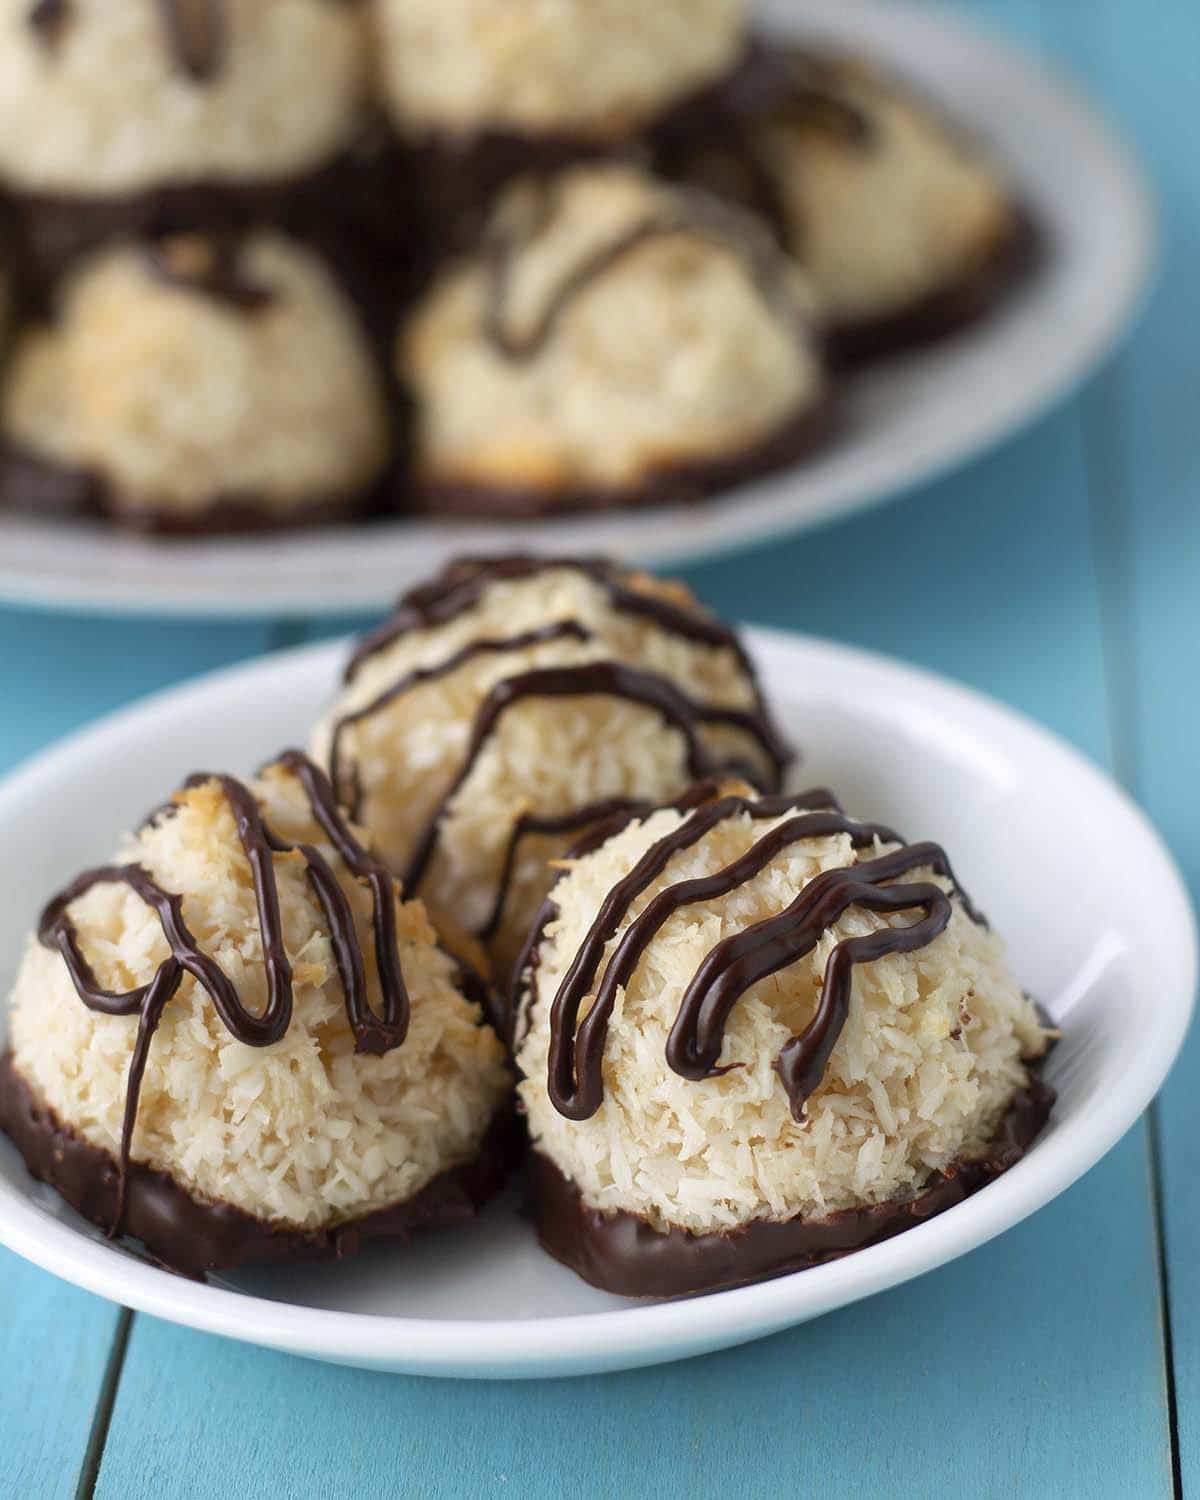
(103, 100)
(904, 224)
(200, 383)
(599, 69)
(511, 703)
(236, 1043)
(756, 1033)
(616, 339)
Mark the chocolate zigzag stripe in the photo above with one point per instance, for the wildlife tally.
(458, 589)
(47, 18)
(775, 84)
(691, 214)
(463, 583)
(604, 679)
(374, 1034)
(196, 32)
(532, 825)
(211, 265)
(575, 1070)
(347, 787)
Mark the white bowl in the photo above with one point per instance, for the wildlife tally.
(1099, 928)
(904, 422)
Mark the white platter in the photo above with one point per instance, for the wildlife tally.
(1098, 924)
(905, 422)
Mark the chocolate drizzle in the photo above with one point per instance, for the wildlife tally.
(463, 583)
(374, 1034)
(196, 32)
(534, 825)
(812, 97)
(724, 152)
(458, 589)
(47, 19)
(210, 264)
(348, 789)
(690, 213)
(590, 679)
(575, 1071)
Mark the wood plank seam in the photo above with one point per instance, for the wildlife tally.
(1154, 1153)
(105, 1402)
(1106, 460)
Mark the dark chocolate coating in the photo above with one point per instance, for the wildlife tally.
(356, 211)
(799, 84)
(456, 179)
(44, 487)
(195, 1237)
(623, 1253)
(949, 309)
(687, 482)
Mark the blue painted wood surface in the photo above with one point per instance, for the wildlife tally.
(57, 672)
(1147, 462)
(1060, 574)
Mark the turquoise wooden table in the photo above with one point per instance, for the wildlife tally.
(1061, 574)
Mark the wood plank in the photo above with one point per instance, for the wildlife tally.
(986, 576)
(55, 1344)
(57, 672)
(1144, 60)
(970, 1382)
(981, 1379)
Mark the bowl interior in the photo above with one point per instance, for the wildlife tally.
(1097, 926)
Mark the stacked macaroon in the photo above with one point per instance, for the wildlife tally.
(190, 360)
(902, 224)
(510, 703)
(614, 339)
(283, 261)
(481, 92)
(197, 382)
(163, 115)
(751, 1030)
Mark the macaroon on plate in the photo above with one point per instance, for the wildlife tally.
(895, 424)
(1095, 919)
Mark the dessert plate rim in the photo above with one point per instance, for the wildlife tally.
(640, 1334)
(983, 385)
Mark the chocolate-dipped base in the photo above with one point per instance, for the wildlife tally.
(43, 487)
(677, 484)
(454, 180)
(193, 1237)
(350, 200)
(625, 1254)
(948, 309)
